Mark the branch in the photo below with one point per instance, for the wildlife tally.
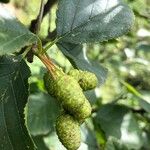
(35, 24)
(139, 111)
(35, 27)
(48, 5)
(46, 9)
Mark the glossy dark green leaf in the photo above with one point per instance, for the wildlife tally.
(77, 56)
(119, 122)
(81, 21)
(42, 111)
(13, 34)
(14, 75)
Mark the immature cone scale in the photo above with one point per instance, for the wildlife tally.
(68, 131)
(82, 112)
(87, 80)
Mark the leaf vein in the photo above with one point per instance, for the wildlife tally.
(3, 113)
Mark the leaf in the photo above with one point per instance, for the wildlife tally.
(53, 142)
(14, 75)
(39, 141)
(91, 96)
(88, 136)
(77, 56)
(146, 136)
(145, 47)
(81, 21)
(144, 102)
(13, 34)
(139, 7)
(131, 89)
(115, 144)
(42, 111)
(119, 122)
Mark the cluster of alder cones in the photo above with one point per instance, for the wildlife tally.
(68, 90)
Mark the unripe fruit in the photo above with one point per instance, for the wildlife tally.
(87, 80)
(68, 92)
(82, 112)
(68, 131)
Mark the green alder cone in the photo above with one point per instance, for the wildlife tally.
(87, 80)
(68, 131)
(75, 73)
(82, 112)
(69, 93)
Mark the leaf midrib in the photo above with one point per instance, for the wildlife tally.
(89, 20)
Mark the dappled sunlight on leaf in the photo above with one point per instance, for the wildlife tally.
(102, 21)
(13, 34)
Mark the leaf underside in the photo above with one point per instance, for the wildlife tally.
(77, 56)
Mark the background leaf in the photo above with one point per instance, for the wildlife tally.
(88, 136)
(13, 34)
(143, 101)
(91, 21)
(39, 141)
(123, 125)
(42, 113)
(115, 144)
(14, 75)
(77, 56)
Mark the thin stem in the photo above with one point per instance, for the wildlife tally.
(51, 44)
(48, 6)
(48, 63)
(35, 27)
(47, 58)
(40, 17)
(26, 51)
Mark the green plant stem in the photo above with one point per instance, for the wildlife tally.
(26, 51)
(40, 16)
(47, 62)
(50, 44)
